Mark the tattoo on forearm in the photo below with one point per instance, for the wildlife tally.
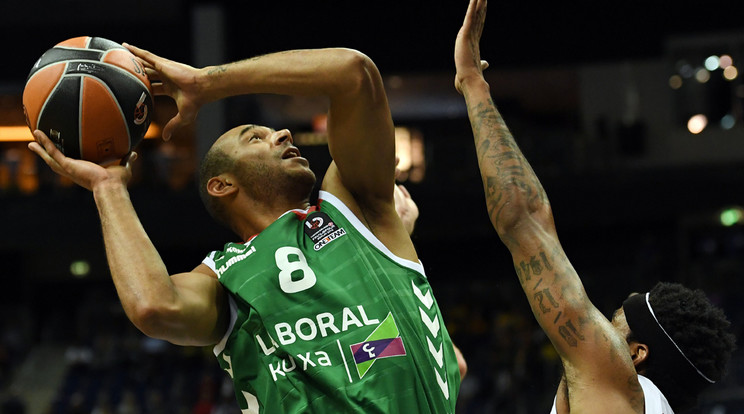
(558, 316)
(537, 285)
(540, 296)
(505, 170)
(535, 267)
(217, 70)
(542, 277)
(546, 262)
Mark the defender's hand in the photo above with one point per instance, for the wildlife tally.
(467, 46)
(174, 79)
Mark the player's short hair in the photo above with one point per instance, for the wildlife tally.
(214, 163)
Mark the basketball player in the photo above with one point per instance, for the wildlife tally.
(321, 309)
(661, 348)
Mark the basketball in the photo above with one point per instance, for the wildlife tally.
(92, 98)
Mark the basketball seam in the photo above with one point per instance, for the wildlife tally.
(81, 97)
(111, 65)
(126, 71)
(116, 67)
(51, 93)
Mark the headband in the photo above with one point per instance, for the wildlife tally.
(647, 329)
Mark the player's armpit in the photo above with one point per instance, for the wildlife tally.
(612, 393)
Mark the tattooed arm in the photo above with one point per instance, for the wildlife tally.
(596, 360)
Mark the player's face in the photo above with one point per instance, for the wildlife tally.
(267, 162)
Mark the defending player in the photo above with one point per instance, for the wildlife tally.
(661, 349)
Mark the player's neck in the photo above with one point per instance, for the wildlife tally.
(253, 218)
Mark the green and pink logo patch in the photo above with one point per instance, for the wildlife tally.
(383, 342)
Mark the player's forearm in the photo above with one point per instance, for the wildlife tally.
(139, 274)
(513, 191)
(326, 72)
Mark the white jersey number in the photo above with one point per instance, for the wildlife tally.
(295, 275)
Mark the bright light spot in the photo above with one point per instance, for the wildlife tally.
(675, 81)
(702, 75)
(731, 216)
(711, 63)
(409, 150)
(697, 123)
(728, 121)
(730, 73)
(80, 268)
(725, 61)
(403, 148)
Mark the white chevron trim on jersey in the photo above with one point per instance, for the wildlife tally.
(227, 359)
(442, 385)
(426, 299)
(433, 325)
(253, 407)
(438, 354)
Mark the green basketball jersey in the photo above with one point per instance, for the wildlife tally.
(325, 319)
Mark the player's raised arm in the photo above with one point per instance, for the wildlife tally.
(360, 126)
(594, 355)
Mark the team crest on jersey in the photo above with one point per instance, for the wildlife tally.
(383, 342)
(321, 229)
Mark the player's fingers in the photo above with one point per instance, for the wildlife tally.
(158, 89)
(171, 126)
(45, 142)
(128, 159)
(147, 64)
(152, 60)
(44, 155)
(404, 190)
(152, 74)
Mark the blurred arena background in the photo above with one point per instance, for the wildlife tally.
(630, 113)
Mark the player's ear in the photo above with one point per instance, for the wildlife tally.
(221, 186)
(639, 354)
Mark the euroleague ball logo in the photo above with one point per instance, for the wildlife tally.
(140, 110)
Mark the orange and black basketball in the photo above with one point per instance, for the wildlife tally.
(91, 96)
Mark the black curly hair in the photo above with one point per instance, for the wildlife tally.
(702, 332)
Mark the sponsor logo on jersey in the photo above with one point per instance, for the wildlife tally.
(235, 259)
(321, 229)
(383, 342)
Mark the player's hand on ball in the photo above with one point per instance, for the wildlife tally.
(176, 80)
(83, 173)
